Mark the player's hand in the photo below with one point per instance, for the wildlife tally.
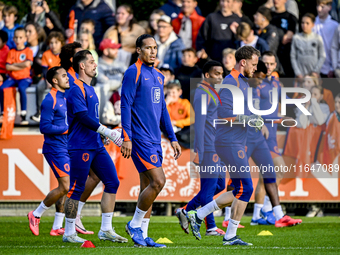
(105, 140)
(177, 149)
(126, 149)
(265, 132)
(113, 134)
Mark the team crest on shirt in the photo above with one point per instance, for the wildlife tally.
(276, 149)
(160, 80)
(86, 157)
(153, 158)
(240, 154)
(67, 167)
(22, 56)
(156, 95)
(180, 111)
(215, 158)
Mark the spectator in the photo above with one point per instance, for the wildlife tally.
(335, 53)
(188, 70)
(35, 41)
(50, 58)
(9, 14)
(169, 45)
(3, 56)
(96, 10)
(291, 7)
(286, 24)
(18, 64)
(247, 38)
(169, 75)
(87, 43)
(229, 60)
(2, 23)
(265, 30)
(325, 27)
(188, 23)
(173, 7)
(127, 30)
(178, 108)
(217, 32)
(317, 107)
(88, 25)
(237, 9)
(153, 20)
(335, 12)
(307, 52)
(110, 72)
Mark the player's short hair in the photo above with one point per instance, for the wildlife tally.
(67, 52)
(3, 36)
(89, 21)
(309, 15)
(189, 50)
(20, 29)
(58, 35)
(209, 65)
(11, 9)
(51, 73)
(326, 2)
(140, 39)
(246, 52)
(174, 84)
(80, 57)
(269, 54)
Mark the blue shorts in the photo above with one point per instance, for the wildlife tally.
(236, 161)
(146, 155)
(101, 164)
(59, 163)
(273, 148)
(260, 153)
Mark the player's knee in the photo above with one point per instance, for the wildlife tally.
(157, 184)
(64, 186)
(112, 186)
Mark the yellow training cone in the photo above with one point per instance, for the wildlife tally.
(265, 233)
(163, 240)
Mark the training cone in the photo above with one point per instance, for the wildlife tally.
(163, 240)
(87, 244)
(265, 233)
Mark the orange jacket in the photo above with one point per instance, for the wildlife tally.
(180, 112)
(196, 22)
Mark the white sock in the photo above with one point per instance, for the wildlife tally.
(278, 212)
(58, 220)
(231, 230)
(70, 226)
(267, 205)
(136, 221)
(106, 221)
(227, 213)
(80, 207)
(40, 210)
(145, 226)
(212, 229)
(256, 212)
(207, 209)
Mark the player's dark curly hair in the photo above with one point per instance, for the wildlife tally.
(67, 52)
(210, 64)
(80, 57)
(139, 41)
(51, 73)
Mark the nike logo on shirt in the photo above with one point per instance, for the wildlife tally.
(91, 96)
(147, 79)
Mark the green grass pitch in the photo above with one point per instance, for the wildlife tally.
(313, 236)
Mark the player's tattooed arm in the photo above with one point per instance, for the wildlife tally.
(71, 208)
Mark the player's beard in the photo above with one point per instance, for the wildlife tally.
(248, 74)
